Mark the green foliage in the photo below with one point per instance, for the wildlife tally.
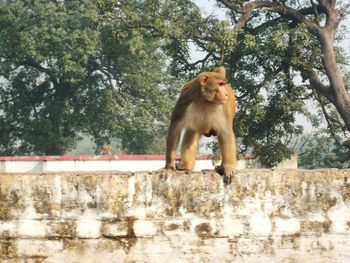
(268, 63)
(72, 67)
(112, 69)
(319, 150)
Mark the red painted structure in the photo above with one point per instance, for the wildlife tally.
(93, 157)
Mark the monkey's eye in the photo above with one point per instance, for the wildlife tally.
(221, 84)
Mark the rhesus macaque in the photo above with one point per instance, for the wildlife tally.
(106, 150)
(206, 106)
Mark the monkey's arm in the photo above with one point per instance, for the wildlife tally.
(229, 156)
(227, 142)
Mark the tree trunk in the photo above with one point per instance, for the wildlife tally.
(341, 98)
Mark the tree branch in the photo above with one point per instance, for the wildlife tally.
(276, 7)
(328, 118)
(265, 25)
(316, 83)
(267, 78)
(36, 65)
(203, 60)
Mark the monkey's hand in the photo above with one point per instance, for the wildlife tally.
(228, 172)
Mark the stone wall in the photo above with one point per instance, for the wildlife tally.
(264, 216)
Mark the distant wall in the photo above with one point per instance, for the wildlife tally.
(134, 163)
(263, 216)
(88, 163)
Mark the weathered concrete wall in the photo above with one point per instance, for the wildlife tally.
(264, 216)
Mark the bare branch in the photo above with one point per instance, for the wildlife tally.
(316, 83)
(314, 7)
(276, 7)
(192, 65)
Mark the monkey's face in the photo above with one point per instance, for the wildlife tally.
(214, 90)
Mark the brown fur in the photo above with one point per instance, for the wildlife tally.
(206, 106)
(106, 150)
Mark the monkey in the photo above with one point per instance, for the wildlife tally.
(106, 150)
(206, 106)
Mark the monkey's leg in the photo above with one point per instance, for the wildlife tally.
(189, 147)
(229, 156)
(172, 141)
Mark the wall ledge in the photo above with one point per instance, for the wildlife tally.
(274, 215)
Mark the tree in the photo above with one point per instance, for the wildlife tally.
(279, 54)
(68, 68)
(102, 68)
(321, 150)
(309, 29)
(321, 20)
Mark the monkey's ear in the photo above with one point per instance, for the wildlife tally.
(204, 80)
(221, 70)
